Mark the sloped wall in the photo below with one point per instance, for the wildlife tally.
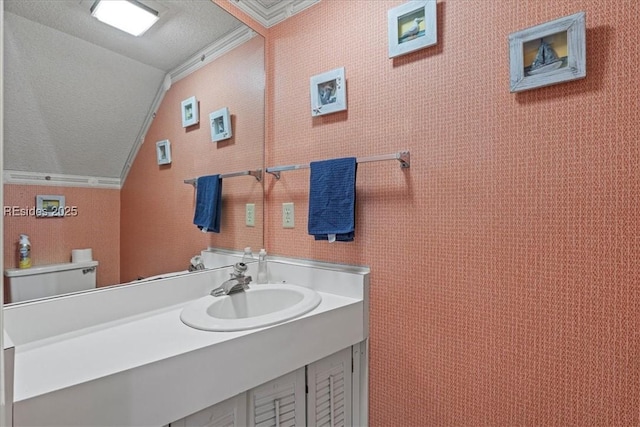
(157, 207)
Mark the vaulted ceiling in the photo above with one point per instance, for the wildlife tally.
(78, 92)
(79, 95)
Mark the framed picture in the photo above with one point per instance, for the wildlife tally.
(190, 112)
(49, 206)
(328, 92)
(550, 53)
(412, 26)
(220, 123)
(163, 152)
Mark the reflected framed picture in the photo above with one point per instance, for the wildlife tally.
(549, 53)
(328, 92)
(190, 115)
(412, 26)
(220, 122)
(50, 206)
(163, 152)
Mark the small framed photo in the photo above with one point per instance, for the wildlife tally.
(163, 152)
(190, 114)
(412, 26)
(220, 123)
(549, 53)
(328, 92)
(49, 206)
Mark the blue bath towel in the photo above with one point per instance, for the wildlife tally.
(208, 203)
(332, 199)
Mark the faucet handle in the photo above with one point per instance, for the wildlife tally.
(237, 283)
(239, 268)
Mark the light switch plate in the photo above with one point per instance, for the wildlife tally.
(250, 214)
(288, 215)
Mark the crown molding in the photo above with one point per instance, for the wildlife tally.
(211, 52)
(37, 178)
(191, 65)
(271, 13)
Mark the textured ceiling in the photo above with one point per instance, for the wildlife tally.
(77, 92)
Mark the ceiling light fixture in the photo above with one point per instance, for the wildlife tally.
(126, 15)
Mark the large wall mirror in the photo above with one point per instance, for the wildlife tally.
(85, 106)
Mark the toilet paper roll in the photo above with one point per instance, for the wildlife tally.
(81, 255)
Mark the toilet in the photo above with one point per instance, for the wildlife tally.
(49, 280)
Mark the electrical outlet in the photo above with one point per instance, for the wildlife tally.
(250, 213)
(287, 215)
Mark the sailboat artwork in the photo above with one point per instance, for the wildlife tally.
(547, 54)
(546, 60)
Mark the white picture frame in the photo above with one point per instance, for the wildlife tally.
(220, 123)
(50, 206)
(412, 26)
(328, 92)
(189, 108)
(549, 53)
(163, 152)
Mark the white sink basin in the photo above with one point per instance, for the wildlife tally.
(261, 305)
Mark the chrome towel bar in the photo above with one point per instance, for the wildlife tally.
(404, 157)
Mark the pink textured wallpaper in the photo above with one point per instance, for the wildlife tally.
(96, 226)
(157, 207)
(504, 283)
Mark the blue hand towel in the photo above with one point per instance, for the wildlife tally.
(332, 199)
(208, 203)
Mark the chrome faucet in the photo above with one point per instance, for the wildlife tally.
(237, 283)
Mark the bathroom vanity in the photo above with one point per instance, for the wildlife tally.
(122, 356)
(327, 391)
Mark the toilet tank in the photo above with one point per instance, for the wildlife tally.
(49, 280)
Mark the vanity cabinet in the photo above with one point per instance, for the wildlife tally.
(127, 348)
(280, 402)
(230, 413)
(320, 394)
(329, 385)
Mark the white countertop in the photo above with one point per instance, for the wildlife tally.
(123, 357)
(85, 355)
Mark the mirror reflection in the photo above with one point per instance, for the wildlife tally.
(85, 108)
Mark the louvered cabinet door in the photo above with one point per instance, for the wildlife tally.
(279, 403)
(329, 391)
(230, 413)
